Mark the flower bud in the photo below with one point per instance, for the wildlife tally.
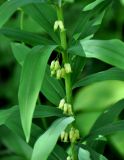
(58, 74)
(68, 158)
(62, 72)
(56, 65)
(65, 137)
(62, 135)
(71, 133)
(65, 108)
(53, 73)
(58, 24)
(77, 134)
(52, 65)
(67, 67)
(61, 104)
(70, 109)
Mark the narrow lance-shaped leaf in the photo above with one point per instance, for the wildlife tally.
(27, 37)
(32, 76)
(45, 15)
(109, 115)
(48, 140)
(9, 7)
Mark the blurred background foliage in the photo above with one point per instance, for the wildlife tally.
(89, 101)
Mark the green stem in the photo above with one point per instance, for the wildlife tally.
(21, 18)
(68, 86)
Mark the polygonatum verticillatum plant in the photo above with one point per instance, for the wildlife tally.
(53, 62)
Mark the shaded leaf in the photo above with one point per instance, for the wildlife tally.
(109, 115)
(110, 74)
(52, 89)
(24, 36)
(45, 15)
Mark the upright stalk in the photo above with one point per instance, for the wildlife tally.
(65, 58)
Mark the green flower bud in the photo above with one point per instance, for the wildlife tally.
(57, 65)
(69, 158)
(65, 137)
(77, 134)
(58, 24)
(61, 104)
(53, 73)
(52, 65)
(62, 135)
(62, 72)
(71, 133)
(70, 109)
(58, 74)
(67, 67)
(65, 108)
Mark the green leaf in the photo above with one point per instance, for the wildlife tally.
(110, 74)
(92, 5)
(93, 154)
(77, 64)
(45, 15)
(109, 115)
(102, 50)
(52, 89)
(47, 111)
(89, 21)
(107, 130)
(4, 114)
(33, 72)
(20, 52)
(48, 140)
(9, 7)
(83, 154)
(12, 157)
(15, 143)
(26, 37)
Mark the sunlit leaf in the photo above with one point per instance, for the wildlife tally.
(32, 76)
(48, 140)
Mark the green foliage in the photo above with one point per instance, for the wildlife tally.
(56, 61)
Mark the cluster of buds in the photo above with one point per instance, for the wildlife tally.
(74, 135)
(71, 136)
(58, 71)
(66, 107)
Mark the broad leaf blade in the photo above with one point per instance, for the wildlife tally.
(102, 50)
(9, 7)
(48, 140)
(110, 74)
(32, 76)
(83, 154)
